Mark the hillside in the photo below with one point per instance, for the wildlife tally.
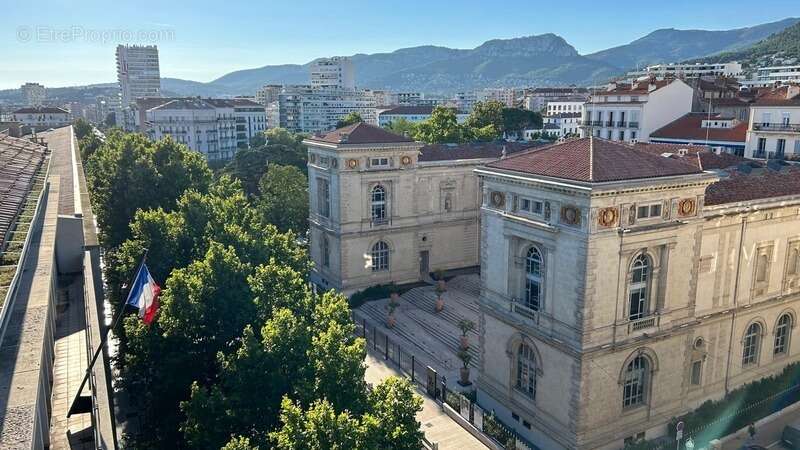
(671, 45)
(784, 45)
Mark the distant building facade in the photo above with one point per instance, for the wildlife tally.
(268, 93)
(506, 96)
(33, 94)
(689, 70)
(630, 112)
(414, 114)
(774, 129)
(138, 73)
(305, 109)
(537, 99)
(335, 72)
(41, 118)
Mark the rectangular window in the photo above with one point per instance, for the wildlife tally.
(531, 206)
(323, 197)
(697, 372)
(648, 211)
(379, 162)
(762, 144)
(780, 147)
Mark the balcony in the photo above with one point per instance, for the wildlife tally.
(609, 123)
(621, 124)
(779, 127)
(518, 307)
(643, 323)
(633, 124)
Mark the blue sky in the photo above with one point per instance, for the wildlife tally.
(67, 42)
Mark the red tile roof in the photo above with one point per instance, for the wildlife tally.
(788, 95)
(471, 150)
(699, 155)
(593, 159)
(741, 187)
(360, 133)
(689, 127)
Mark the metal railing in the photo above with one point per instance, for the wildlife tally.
(632, 124)
(788, 127)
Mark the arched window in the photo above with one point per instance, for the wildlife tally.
(751, 344)
(783, 331)
(380, 256)
(634, 383)
(639, 292)
(326, 251)
(534, 267)
(378, 204)
(526, 370)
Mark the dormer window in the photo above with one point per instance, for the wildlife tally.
(648, 211)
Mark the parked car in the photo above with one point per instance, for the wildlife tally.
(791, 435)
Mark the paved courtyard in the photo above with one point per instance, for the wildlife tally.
(433, 337)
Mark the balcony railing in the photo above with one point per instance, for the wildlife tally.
(609, 123)
(517, 306)
(621, 124)
(632, 124)
(786, 127)
(643, 323)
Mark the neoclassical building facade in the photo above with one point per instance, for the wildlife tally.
(620, 288)
(384, 208)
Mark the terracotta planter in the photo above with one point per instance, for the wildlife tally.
(464, 342)
(439, 303)
(464, 381)
(390, 321)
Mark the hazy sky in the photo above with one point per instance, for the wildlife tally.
(62, 43)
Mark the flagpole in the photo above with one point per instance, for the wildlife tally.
(75, 407)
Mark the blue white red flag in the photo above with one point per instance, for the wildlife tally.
(144, 295)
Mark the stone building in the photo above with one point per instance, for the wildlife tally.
(620, 288)
(384, 208)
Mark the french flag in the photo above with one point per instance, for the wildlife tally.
(144, 295)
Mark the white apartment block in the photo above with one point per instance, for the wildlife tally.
(250, 118)
(564, 106)
(695, 70)
(137, 72)
(506, 96)
(205, 126)
(33, 94)
(414, 114)
(630, 112)
(409, 98)
(465, 101)
(41, 118)
(538, 98)
(268, 93)
(336, 72)
(769, 76)
(774, 131)
(384, 98)
(568, 123)
(305, 109)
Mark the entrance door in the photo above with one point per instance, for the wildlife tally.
(424, 261)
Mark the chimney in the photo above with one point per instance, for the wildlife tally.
(503, 153)
(792, 90)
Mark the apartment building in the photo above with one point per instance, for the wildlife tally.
(506, 96)
(306, 109)
(538, 98)
(567, 123)
(630, 112)
(205, 126)
(769, 76)
(250, 118)
(40, 118)
(138, 73)
(268, 93)
(335, 72)
(621, 289)
(688, 70)
(564, 106)
(774, 128)
(33, 94)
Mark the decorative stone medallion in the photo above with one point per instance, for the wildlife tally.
(607, 217)
(498, 199)
(405, 160)
(686, 207)
(570, 215)
(352, 163)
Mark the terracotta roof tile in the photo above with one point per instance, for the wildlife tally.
(360, 133)
(471, 150)
(699, 155)
(594, 160)
(741, 187)
(689, 127)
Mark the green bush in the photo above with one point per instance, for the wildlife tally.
(376, 292)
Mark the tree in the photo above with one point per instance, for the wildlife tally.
(239, 443)
(259, 140)
(349, 119)
(515, 120)
(486, 113)
(392, 418)
(82, 128)
(129, 173)
(88, 145)
(402, 126)
(441, 127)
(318, 428)
(283, 198)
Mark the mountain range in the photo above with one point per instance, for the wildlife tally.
(538, 60)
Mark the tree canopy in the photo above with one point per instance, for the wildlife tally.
(349, 119)
(283, 198)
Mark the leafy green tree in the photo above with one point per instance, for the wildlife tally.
(318, 428)
(515, 120)
(283, 198)
(248, 166)
(349, 119)
(259, 140)
(402, 126)
(82, 128)
(88, 145)
(486, 113)
(129, 173)
(441, 127)
(239, 443)
(392, 418)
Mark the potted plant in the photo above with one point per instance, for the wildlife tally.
(465, 358)
(440, 282)
(390, 319)
(465, 325)
(439, 299)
